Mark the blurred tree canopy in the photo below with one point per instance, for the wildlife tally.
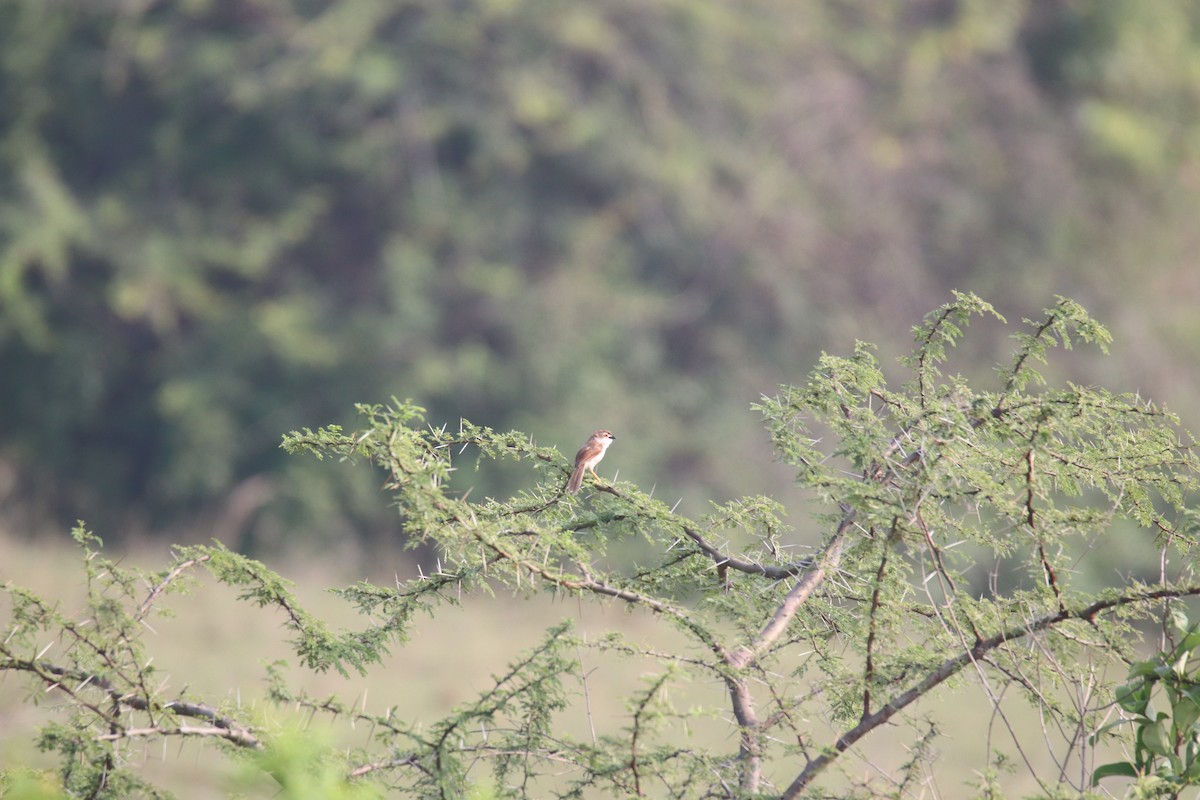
(219, 219)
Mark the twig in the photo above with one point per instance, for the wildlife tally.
(637, 729)
(873, 612)
(239, 737)
(589, 584)
(391, 763)
(159, 588)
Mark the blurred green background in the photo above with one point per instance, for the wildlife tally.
(221, 220)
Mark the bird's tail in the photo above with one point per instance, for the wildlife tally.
(576, 480)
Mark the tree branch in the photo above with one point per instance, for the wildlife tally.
(800, 592)
(775, 572)
(873, 612)
(239, 737)
(589, 584)
(52, 675)
(391, 763)
(162, 585)
(951, 666)
(749, 727)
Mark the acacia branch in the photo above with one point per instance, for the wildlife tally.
(799, 594)
(935, 552)
(52, 675)
(162, 585)
(589, 584)
(775, 572)
(923, 350)
(951, 666)
(873, 612)
(240, 737)
(741, 699)
(642, 705)
(391, 763)
(1019, 364)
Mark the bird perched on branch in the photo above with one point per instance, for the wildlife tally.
(588, 457)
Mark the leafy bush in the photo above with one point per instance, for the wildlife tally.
(1166, 743)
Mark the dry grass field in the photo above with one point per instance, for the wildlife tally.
(214, 649)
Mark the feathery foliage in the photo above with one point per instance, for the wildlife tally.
(953, 521)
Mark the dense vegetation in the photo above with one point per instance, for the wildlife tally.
(223, 220)
(959, 522)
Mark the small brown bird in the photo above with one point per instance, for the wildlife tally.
(588, 457)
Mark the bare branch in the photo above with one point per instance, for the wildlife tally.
(391, 763)
(240, 737)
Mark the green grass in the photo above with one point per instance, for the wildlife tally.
(214, 650)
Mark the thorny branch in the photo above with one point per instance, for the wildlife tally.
(157, 590)
(954, 664)
(53, 675)
(1030, 520)
(738, 659)
(1026, 353)
(587, 583)
(923, 351)
(391, 763)
(800, 592)
(873, 612)
(642, 705)
(773, 571)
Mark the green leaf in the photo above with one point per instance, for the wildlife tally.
(1155, 737)
(1118, 769)
(1191, 772)
(1185, 712)
(1134, 696)
(1142, 668)
(1189, 643)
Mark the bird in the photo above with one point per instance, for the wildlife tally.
(588, 457)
